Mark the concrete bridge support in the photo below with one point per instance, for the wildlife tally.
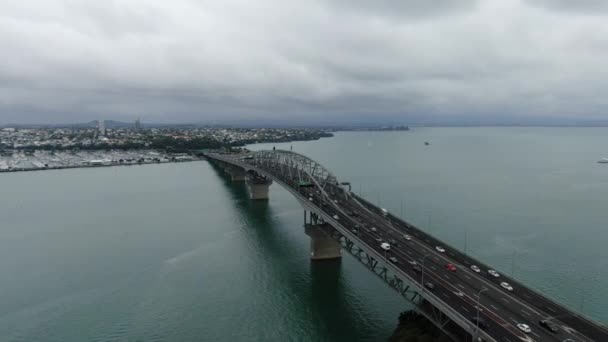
(258, 187)
(322, 246)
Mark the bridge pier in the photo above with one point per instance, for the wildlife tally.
(322, 246)
(258, 187)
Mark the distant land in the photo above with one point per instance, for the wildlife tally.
(379, 126)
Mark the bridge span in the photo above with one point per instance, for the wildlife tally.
(461, 295)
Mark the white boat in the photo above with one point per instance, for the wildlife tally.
(603, 161)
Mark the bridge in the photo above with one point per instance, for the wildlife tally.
(462, 296)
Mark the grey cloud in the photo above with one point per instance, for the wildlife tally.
(404, 8)
(231, 60)
(574, 6)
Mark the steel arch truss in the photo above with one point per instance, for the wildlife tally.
(297, 168)
(295, 165)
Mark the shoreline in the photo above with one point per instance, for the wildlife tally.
(192, 156)
(95, 166)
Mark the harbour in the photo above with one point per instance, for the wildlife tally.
(38, 160)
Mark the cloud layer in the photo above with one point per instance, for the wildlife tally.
(303, 61)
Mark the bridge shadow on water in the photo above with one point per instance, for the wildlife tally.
(325, 307)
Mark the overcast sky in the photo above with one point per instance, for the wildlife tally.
(303, 61)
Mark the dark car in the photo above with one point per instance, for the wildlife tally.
(429, 285)
(393, 260)
(548, 325)
(479, 321)
(393, 242)
(417, 269)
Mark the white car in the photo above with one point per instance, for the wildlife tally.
(374, 229)
(494, 273)
(506, 286)
(440, 249)
(407, 237)
(459, 293)
(336, 217)
(524, 327)
(385, 246)
(310, 199)
(413, 263)
(475, 268)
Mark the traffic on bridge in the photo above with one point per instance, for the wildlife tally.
(487, 305)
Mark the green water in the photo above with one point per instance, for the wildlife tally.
(176, 252)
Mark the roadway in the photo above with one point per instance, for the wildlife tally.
(500, 310)
(543, 306)
(458, 289)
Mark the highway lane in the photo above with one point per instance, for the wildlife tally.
(434, 270)
(537, 302)
(462, 301)
(517, 311)
(514, 312)
(384, 226)
(501, 309)
(532, 314)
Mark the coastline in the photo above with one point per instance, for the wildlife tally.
(103, 155)
(95, 166)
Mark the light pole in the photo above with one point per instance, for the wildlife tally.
(422, 280)
(477, 322)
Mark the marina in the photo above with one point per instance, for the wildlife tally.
(48, 160)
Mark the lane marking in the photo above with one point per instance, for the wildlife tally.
(438, 256)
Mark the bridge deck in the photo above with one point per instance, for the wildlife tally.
(501, 310)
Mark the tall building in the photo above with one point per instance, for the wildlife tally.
(137, 124)
(101, 127)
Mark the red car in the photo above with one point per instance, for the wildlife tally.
(451, 267)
